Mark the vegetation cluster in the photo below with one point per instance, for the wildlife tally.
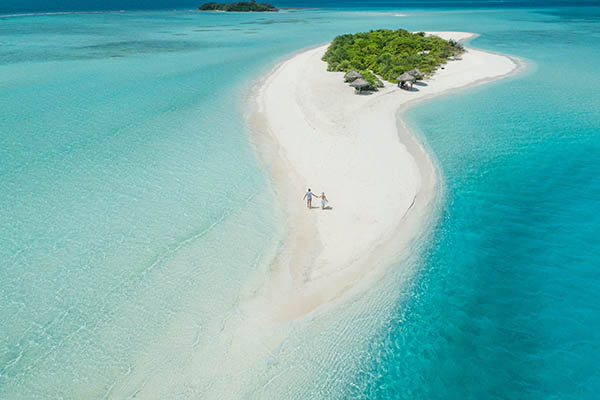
(388, 54)
(244, 6)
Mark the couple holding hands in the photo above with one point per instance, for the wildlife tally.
(309, 195)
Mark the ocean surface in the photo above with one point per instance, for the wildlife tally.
(136, 215)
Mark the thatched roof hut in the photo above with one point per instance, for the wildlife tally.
(417, 74)
(351, 76)
(406, 77)
(360, 83)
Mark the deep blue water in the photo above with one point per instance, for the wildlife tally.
(507, 305)
(130, 209)
(29, 6)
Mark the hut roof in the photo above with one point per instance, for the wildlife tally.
(352, 75)
(416, 73)
(405, 77)
(360, 83)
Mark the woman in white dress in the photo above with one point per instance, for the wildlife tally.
(324, 200)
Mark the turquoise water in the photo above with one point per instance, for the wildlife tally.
(134, 211)
(506, 304)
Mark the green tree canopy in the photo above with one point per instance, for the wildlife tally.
(388, 53)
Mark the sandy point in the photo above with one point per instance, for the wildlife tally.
(312, 131)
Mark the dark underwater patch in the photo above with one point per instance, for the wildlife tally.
(140, 47)
(282, 21)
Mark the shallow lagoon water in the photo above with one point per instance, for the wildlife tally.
(134, 212)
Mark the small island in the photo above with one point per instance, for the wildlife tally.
(389, 55)
(240, 6)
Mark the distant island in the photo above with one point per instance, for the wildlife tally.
(243, 6)
(388, 54)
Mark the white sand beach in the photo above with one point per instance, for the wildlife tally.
(313, 132)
